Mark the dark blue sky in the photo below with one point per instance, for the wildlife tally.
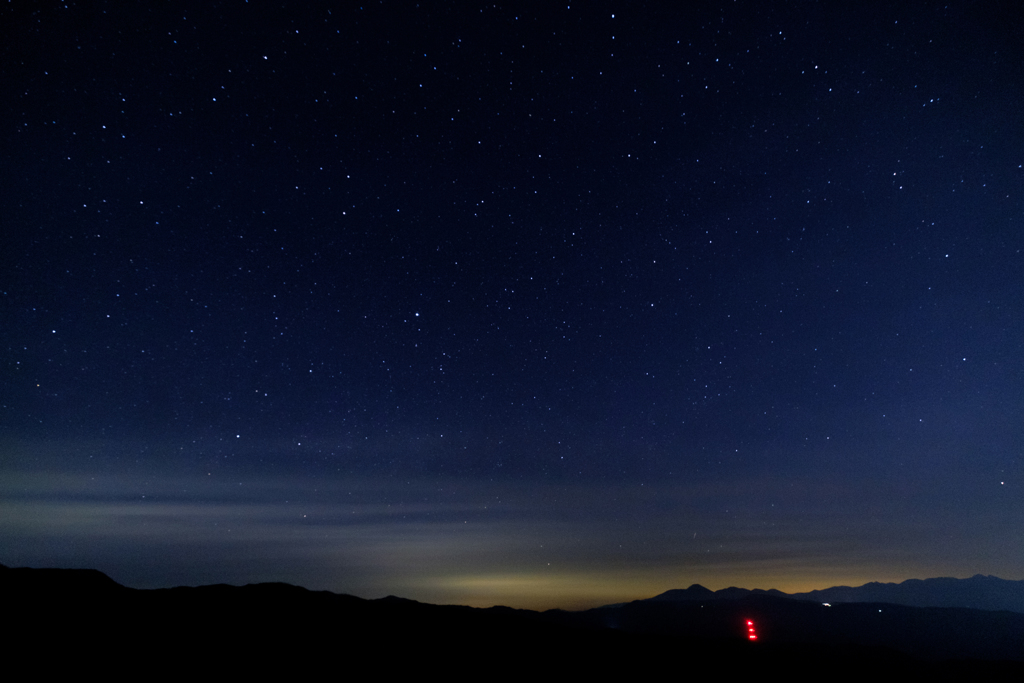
(540, 306)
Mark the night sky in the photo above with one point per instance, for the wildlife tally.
(539, 305)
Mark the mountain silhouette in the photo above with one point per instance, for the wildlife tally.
(977, 592)
(68, 621)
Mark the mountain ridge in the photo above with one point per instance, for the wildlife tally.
(980, 591)
(81, 612)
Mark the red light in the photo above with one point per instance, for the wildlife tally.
(751, 634)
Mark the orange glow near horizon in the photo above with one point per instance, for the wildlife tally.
(586, 589)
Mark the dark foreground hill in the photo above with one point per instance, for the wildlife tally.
(926, 633)
(65, 621)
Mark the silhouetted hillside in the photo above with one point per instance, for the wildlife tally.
(73, 620)
(932, 633)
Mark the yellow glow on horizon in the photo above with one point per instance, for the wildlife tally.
(576, 590)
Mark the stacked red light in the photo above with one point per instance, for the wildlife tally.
(751, 633)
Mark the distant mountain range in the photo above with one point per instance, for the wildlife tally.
(977, 592)
(72, 620)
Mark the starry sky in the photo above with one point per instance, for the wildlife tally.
(532, 304)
